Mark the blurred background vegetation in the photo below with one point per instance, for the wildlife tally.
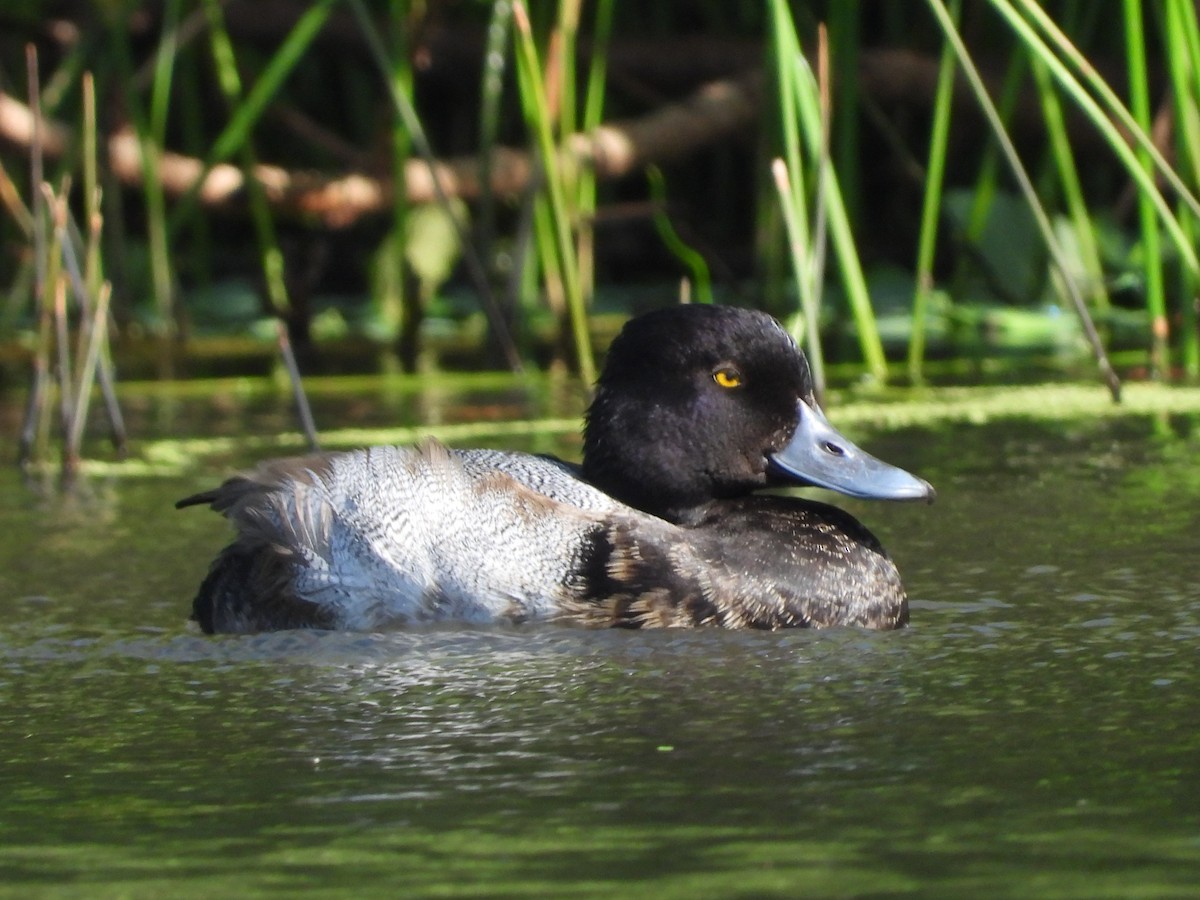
(928, 188)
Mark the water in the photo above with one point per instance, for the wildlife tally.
(1035, 732)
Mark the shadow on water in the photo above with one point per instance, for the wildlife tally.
(1034, 731)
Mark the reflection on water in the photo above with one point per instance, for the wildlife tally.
(1033, 731)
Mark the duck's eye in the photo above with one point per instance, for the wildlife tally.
(727, 377)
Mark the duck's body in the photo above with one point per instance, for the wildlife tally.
(658, 528)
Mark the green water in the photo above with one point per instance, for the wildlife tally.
(1036, 732)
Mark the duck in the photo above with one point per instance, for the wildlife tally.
(664, 523)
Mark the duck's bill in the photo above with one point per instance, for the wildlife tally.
(819, 455)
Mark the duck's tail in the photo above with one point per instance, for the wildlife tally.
(251, 587)
(223, 588)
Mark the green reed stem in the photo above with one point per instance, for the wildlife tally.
(10, 197)
(491, 95)
(1028, 191)
(95, 335)
(803, 268)
(853, 279)
(1139, 96)
(1182, 41)
(1097, 83)
(1181, 38)
(150, 127)
(987, 182)
(800, 91)
(546, 258)
(771, 248)
(246, 111)
(1068, 176)
(790, 192)
(245, 115)
(1116, 138)
(561, 68)
(92, 296)
(95, 291)
(844, 41)
(412, 122)
(56, 206)
(69, 70)
(1189, 326)
(593, 113)
(538, 118)
(270, 255)
(89, 278)
(396, 304)
(593, 107)
(786, 48)
(93, 219)
(691, 258)
(543, 262)
(526, 275)
(191, 80)
(34, 422)
(567, 32)
(935, 172)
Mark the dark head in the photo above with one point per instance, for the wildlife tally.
(698, 403)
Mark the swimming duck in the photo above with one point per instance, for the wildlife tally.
(698, 407)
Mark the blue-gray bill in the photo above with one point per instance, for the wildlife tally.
(819, 455)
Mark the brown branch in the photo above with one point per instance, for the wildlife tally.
(17, 126)
(717, 111)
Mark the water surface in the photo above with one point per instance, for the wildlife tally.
(1035, 732)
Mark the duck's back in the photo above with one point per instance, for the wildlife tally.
(401, 535)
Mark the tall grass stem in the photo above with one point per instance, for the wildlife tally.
(931, 208)
(529, 73)
(1087, 244)
(1139, 103)
(420, 142)
(1116, 138)
(1027, 189)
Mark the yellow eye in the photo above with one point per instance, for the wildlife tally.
(727, 377)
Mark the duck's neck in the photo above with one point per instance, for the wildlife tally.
(657, 481)
(664, 500)
(630, 458)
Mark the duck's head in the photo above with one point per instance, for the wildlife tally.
(698, 403)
